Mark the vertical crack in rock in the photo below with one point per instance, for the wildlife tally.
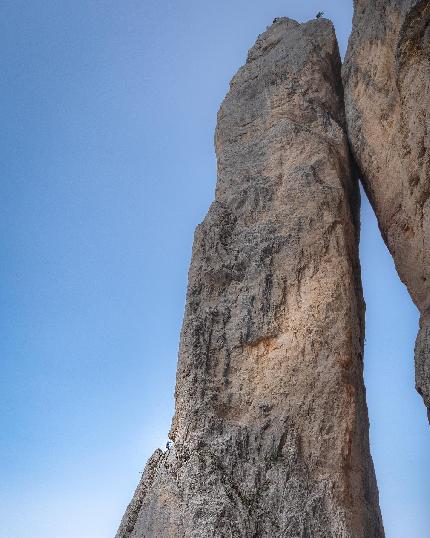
(271, 428)
(387, 95)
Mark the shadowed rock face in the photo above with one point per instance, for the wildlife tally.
(387, 94)
(271, 427)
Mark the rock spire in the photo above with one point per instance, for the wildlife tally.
(271, 430)
(387, 95)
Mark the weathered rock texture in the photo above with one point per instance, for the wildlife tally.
(271, 427)
(387, 94)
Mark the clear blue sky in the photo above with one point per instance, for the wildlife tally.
(108, 110)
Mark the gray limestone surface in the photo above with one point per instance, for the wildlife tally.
(387, 99)
(271, 429)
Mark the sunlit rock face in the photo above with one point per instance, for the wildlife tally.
(387, 94)
(271, 430)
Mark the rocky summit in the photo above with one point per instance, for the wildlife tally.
(387, 94)
(270, 434)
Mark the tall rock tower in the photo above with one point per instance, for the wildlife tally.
(271, 430)
(387, 91)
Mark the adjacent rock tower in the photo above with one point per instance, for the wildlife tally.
(387, 94)
(271, 429)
